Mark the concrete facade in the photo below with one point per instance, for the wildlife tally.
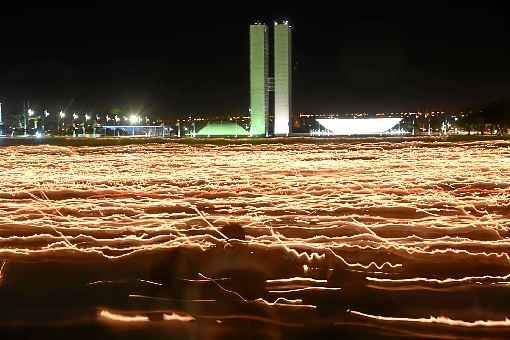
(282, 78)
(259, 70)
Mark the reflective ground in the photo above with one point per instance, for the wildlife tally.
(366, 240)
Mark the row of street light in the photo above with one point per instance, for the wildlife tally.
(133, 118)
(31, 115)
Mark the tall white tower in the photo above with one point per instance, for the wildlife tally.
(259, 68)
(282, 78)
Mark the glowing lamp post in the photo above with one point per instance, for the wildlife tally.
(30, 113)
(87, 117)
(44, 120)
(75, 117)
(61, 116)
(117, 120)
(133, 120)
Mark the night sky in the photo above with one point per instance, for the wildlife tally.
(171, 61)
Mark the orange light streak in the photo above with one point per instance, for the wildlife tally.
(178, 317)
(122, 318)
(439, 320)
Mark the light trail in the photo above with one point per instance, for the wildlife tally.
(2, 270)
(122, 318)
(304, 289)
(296, 280)
(151, 282)
(281, 301)
(439, 320)
(178, 317)
(419, 220)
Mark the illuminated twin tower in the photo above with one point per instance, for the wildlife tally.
(261, 84)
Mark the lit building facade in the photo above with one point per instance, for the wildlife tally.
(282, 78)
(259, 70)
(366, 126)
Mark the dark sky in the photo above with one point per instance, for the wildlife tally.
(172, 59)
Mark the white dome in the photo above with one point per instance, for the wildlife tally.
(364, 126)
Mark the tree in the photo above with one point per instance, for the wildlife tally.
(497, 114)
(472, 120)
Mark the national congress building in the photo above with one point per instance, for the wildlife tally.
(269, 119)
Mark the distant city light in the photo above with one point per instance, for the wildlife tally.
(46, 113)
(30, 112)
(87, 117)
(62, 114)
(75, 116)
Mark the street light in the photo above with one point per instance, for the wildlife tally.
(134, 119)
(94, 124)
(43, 119)
(30, 114)
(61, 116)
(75, 117)
(87, 117)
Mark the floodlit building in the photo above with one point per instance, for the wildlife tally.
(222, 129)
(282, 77)
(366, 126)
(259, 70)
(261, 84)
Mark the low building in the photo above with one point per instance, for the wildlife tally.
(363, 126)
(222, 129)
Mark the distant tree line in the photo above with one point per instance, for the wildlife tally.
(491, 118)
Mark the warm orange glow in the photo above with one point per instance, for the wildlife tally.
(177, 317)
(122, 318)
(440, 320)
(420, 222)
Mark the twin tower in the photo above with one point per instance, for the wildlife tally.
(261, 84)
